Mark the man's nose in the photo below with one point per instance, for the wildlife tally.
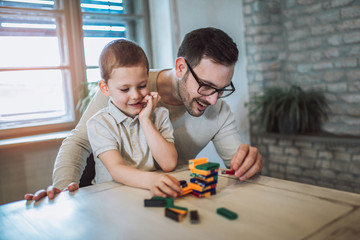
(212, 99)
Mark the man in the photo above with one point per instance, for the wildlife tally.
(192, 93)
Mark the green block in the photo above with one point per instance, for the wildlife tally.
(204, 177)
(208, 166)
(226, 213)
(169, 201)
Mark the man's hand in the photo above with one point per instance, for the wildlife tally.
(50, 192)
(246, 162)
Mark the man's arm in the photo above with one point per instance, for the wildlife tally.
(71, 159)
(75, 149)
(241, 157)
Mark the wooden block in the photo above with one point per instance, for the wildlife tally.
(208, 166)
(197, 161)
(173, 215)
(169, 201)
(227, 213)
(154, 203)
(194, 217)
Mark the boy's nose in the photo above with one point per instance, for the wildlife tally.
(135, 94)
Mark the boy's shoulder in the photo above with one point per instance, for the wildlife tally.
(101, 115)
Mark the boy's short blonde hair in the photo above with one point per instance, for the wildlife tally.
(121, 53)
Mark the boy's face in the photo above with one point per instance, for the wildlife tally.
(127, 87)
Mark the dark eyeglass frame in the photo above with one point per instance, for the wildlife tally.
(222, 92)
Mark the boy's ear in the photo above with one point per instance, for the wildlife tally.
(180, 67)
(104, 88)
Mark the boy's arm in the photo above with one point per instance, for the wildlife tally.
(162, 150)
(159, 184)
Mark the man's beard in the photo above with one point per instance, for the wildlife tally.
(187, 101)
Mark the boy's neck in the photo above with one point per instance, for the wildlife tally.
(167, 87)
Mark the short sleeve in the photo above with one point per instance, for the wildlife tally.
(100, 137)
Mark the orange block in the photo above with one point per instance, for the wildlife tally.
(197, 161)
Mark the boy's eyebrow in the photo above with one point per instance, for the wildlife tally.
(127, 85)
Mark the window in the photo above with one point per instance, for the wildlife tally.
(48, 49)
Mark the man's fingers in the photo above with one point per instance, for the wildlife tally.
(239, 156)
(248, 161)
(256, 167)
(29, 196)
(51, 191)
(39, 194)
(73, 186)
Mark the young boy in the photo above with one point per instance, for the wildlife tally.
(131, 136)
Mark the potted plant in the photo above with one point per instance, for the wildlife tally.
(90, 90)
(290, 111)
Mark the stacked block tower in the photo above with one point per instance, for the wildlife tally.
(204, 177)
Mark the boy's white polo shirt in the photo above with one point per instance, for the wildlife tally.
(111, 129)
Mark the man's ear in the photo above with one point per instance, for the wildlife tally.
(180, 67)
(104, 88)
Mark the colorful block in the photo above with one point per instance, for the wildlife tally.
(173, 215)
(199, 188)
(169, 201)
(181, 211)
(209, 178)
(154, 203)
(204, 172)
(228, 172)
(183, 183)
(186, 190)
(227, 213)
(194, 217)
(202, 183)
(204, 194)
(194, 162)
(208, 166)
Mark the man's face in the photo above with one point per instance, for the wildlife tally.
(210, 73)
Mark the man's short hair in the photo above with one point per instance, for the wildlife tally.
(208, 42)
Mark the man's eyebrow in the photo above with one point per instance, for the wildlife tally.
(211, 84)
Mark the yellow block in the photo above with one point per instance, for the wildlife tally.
(194, 162)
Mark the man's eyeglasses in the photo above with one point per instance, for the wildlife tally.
(207, 90)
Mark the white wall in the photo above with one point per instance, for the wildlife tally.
(225, 15)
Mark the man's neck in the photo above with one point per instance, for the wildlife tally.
(167, 87)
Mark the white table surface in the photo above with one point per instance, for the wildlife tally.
(267, 208)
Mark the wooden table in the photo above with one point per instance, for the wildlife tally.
(267, 208)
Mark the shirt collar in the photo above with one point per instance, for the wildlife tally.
(119, 115)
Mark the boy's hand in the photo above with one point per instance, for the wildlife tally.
(164, 185)
(150, 100)
(50, 192)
